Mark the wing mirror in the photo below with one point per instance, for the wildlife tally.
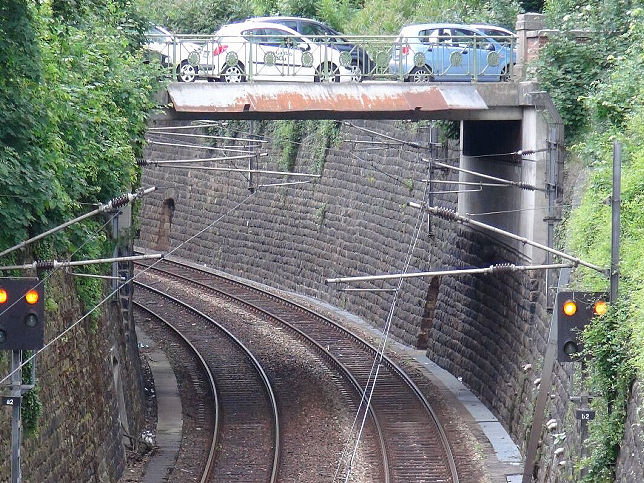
(303, 46)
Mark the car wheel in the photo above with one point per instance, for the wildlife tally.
(186, 72)
(233, 74)
(420, 74)
(356, 73)
(506, 74)
(327, 73)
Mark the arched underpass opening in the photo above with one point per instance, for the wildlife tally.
(165, 225)
(427, 321)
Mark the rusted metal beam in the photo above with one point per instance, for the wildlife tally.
(290, 100)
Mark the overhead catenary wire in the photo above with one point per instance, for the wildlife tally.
(518, 184)
(114, 203)
(246, 170)
(375, 368)
(209, 136)
(234, 149)
(491, 270)
(451, 215)
(109, 296)
(47, 264)
(157, 162)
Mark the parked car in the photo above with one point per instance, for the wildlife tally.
(449, 52)
(182, 56)
(493, 30)
(500, 34)
(361, 64)
(268, 51)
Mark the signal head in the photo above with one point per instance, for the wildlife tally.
(3, 296)
(570, 308)
(32, 297)
(600, 307)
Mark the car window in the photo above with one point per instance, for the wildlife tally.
(292, 24)
(428, 36)
(253, 35)
(313, 29)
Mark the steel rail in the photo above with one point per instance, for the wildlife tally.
(324, 353)
(392, 365)
(207, 473)
(254, 361)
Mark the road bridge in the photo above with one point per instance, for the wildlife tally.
(509, 130)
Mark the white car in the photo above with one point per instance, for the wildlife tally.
(249, 51)
(182, 55)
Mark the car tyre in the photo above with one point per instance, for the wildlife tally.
(327, 73)
(421, 74)
(506, 74)
(356, 73)
(233, 74)
(186, 72)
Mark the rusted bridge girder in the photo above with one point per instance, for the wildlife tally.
(367, 100)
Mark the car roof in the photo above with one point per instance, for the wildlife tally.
(282, 17)
(425, 26)
(492, 27)
(238, 27)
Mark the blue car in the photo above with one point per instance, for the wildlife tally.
(450, 52)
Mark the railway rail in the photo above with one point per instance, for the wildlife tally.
(243, 414)
(402, 428)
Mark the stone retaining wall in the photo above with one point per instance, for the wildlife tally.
(355, 221)
(80, 428)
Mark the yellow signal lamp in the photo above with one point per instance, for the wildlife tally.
(32, 297)
(600, 307)
(3, 296)
(570, 308)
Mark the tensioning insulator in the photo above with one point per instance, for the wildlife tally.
(44, 264)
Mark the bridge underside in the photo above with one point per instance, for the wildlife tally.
(367, 100)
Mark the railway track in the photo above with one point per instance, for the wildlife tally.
(403, 433)
(246, 420)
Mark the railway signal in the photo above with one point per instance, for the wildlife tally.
(576, 310)
(22, 314)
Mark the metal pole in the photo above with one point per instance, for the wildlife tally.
(616, 201)
(115, 254)
(544, 387)
(16, 423)
(251, 167)
(464, 271)
(454, 216)
(552, 198)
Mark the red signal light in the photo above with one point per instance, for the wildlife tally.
(32, 297)
(3, 296)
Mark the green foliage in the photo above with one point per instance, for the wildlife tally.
(196, 16)
(320, 214)
(287, 137)
(325, 133)
(73, 105)
(567, 69)
(615, 343)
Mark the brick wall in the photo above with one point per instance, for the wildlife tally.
(355, 221)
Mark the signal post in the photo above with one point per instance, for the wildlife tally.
(22, 327)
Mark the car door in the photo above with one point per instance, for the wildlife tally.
(479, 61)
(264, 53)
(453, 55)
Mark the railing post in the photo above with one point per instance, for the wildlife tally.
(531, 36)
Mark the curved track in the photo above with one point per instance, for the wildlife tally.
(415, 444)
(247, 418)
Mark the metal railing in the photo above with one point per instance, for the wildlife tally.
(337, 59)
